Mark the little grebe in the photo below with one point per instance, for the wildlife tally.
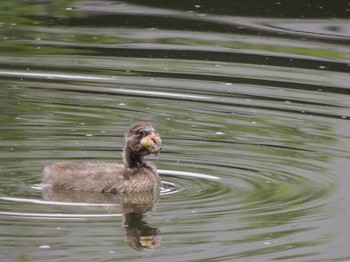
(135, 175)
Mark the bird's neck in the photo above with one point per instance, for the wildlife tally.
(132, 159)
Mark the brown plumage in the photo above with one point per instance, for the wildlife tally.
(135, 175)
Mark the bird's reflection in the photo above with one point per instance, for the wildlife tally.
(139, 234)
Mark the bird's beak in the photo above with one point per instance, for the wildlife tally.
(152, 142)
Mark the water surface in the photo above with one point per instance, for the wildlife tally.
(252, 105)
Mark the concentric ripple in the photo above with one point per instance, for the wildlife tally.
(253, 113)
(95, 200)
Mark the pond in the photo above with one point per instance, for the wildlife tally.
(251, 101)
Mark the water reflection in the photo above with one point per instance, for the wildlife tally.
(139, 234)
(253, 94)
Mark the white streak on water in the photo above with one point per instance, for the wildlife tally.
(38, 201)
(50, 76)
(188, 174)
(106, 79)
(20, 214)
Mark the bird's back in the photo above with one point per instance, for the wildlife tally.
(100, 177)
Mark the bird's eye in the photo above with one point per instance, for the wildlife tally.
(142, 134)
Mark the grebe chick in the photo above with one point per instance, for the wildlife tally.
(134, 175)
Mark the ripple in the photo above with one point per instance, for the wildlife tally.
(168, 188)
(45, 202)
(187, 174)
(255, 110)
(60, 216)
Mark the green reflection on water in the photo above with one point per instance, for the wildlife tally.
(289, 156)
(18, 11)
(238, 45)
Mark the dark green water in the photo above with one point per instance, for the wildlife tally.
(251, 101)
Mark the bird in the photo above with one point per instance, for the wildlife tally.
(134, 175)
